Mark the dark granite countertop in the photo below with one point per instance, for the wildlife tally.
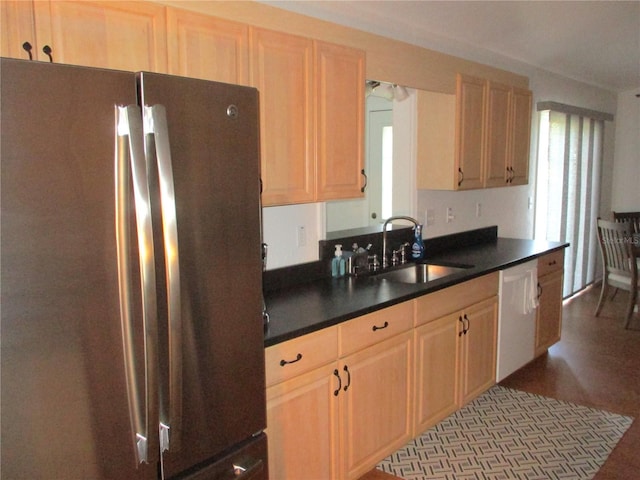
(311, 306)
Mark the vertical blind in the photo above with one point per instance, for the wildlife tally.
(568, 190)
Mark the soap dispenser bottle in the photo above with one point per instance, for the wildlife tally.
(417, 247)
(337, 263)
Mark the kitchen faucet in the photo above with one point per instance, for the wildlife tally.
(385, 262)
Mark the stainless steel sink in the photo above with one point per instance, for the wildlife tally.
(420, 272)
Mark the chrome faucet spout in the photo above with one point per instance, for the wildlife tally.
(385, 261)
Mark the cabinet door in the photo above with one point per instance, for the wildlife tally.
(436, 367)
(549, 313)
(340, 79)
(281, 67)
(497, 168)
(375, 403)
(119, 35)
(470, 131)
(302, 426)
(520, 135)
(17, 25)
(478, 359)
(206, 47)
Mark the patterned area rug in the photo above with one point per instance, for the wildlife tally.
(509, 434)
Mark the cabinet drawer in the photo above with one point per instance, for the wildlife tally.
(300, 355)
(374, 327)
(457, 297)
(551, 262)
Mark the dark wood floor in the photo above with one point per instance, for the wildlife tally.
(596, 364)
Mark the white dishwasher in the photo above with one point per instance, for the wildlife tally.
(517, 317)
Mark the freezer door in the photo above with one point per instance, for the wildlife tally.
(247, 462)
(64, 402)
(212, 353)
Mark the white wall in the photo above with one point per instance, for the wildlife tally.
(626, 170)
(292, 233)
(505, 207)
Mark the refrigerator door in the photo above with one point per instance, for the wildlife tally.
(247, 462)
(64, 399)
(212, 367)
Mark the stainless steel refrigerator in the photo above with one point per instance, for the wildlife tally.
(131, 329)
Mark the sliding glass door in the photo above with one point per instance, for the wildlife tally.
(568, 191)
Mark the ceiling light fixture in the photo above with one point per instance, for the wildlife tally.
(386, 90)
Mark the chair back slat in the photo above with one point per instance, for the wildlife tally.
(633, 218)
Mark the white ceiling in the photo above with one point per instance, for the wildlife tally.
(596, 42)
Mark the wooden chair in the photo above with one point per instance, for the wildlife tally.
(620, 267)
(632, 217)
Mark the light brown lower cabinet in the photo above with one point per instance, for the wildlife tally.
(341, 399)
(478, 357)
(337, 421)
(303, 427)
(549, 312)
(455, 353)
(376, 408)
(455, 361)
(437, 360)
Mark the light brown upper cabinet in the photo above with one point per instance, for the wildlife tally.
(520, 125)
(496, 160)
(470, 100)
(18, 27)
(128, 36)
(118, 35)
(311, 117)
(200, 46)
(340, 77)
(477, 138)
(508, 135)
(450, 136)
(281, 68)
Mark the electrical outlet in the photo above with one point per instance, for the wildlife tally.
(450, 215)
(429, 217)
(478, 209)
(301, 234)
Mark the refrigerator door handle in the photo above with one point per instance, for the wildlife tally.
(157, 142)
(247, 470)
(130, 170)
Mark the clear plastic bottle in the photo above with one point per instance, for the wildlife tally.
(337, 262)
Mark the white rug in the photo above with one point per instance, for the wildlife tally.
(509, 434)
